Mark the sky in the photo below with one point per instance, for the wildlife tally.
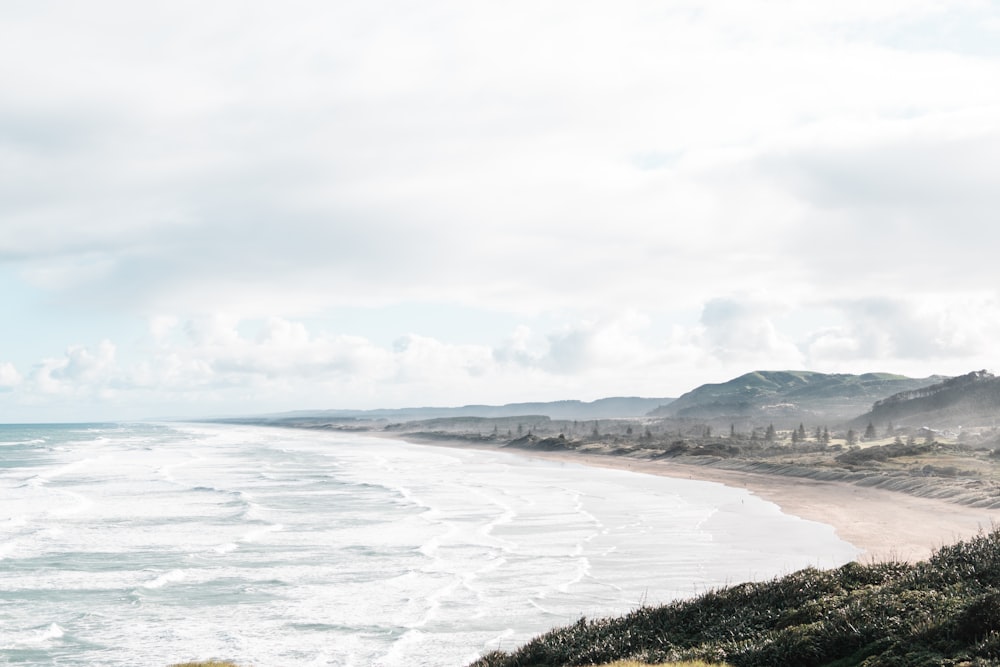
(236, 207)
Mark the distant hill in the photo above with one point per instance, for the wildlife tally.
(967, 400)
(789, 397)
(604, 408)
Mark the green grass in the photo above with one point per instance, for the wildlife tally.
(686, 663)
(944, 611)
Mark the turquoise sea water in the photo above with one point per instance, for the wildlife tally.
(145, 544)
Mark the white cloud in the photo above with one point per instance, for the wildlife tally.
(949, 331)
(81, 371)
(9, 377)
(597, 173)
(223, 365)
(742, 330)
(161, 326)
(329, 155)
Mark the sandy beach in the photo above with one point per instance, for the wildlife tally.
(886, 525)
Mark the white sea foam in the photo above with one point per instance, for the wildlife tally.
(166, 578)
(40, 636)
(12, 443)
(333, 549)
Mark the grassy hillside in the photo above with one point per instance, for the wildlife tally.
(972, 399)
(787, 397)
(944, 611)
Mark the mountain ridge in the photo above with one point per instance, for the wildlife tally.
(972, 399)
(791, 396)
(603, 408)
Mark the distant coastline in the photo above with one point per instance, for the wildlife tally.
(899, 466)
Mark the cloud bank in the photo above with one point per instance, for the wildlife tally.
(642, 197)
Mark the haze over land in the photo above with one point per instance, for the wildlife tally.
(247, 208)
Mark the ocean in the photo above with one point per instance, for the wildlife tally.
(149, 544)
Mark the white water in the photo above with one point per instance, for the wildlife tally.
(152, 544)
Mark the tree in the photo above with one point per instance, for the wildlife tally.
(628, 431)
(802, 433)
(732, 430)
(826, 436)
(852, 437)
(818, 436)
(708, 431)
(870, 433)
(769, 433)
(795, 437)
(889, 429)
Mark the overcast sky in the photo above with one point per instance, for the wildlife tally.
(235, 207)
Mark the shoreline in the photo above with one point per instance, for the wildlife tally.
(885, 525)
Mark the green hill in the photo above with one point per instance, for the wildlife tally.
(944, 611)
(969, 400)
(789, 397)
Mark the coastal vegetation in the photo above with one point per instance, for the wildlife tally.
(942, 611)
(959, 467)
(686, 663)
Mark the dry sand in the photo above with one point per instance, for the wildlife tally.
(886, 525)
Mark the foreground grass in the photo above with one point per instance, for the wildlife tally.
(944, 611)
(686, 663)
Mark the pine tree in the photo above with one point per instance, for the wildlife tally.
(870, 433)
(769, 434)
